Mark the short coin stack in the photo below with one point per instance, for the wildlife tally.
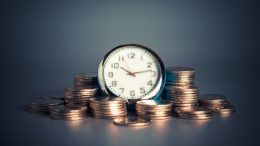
(217, 103)
(108, 107)
(74, 96)
(154, 109)
(68, 112)
(194, 113)
(180, 88)
(43, 105)
(84, 79)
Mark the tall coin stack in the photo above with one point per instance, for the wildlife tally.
(74, 96)
(85, 87)
(85, 79)
(154, 109)
(180, 88)
(108, 107)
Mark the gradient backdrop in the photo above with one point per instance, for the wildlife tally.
(44, 43)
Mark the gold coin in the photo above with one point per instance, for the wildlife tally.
(132, 122)
(154, 103)
(194, 110)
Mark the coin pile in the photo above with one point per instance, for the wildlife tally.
(217, 103)
(74, 96)
(68, 112)
(180, 88)
(132, 121)
(85, 79)
(53, 95)
(108, 107)
(154, 109)
(194, 113)
(40, 105)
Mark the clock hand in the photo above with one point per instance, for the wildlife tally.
(127, 66)
(128, 72)
(142, 71)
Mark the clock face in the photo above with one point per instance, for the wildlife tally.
(132, 72)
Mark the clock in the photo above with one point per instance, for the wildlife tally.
(132, 72)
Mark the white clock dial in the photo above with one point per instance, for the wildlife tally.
(131, 72)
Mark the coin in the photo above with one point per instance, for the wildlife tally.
(180, 88)
(80, 95)
(108, 107)
(194, 113)
(194, 110)
(154, 109)
(42, 105)
(82, 80)
(132, 121)
(53, 95)
(68, 112)
(212, 99)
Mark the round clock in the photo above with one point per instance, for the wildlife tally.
(132, 72)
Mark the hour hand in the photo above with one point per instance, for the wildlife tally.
(128, 72)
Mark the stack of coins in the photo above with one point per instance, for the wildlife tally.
(74, 96)
(194, 113)
(68, 112)
(217, 103)
(40, 105)
(53, 95)
(180, 88)
(131, 122)
(108, 107)
(154, 109)
(84, 79)
(180, 76)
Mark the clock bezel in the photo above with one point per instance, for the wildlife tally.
(157, 90)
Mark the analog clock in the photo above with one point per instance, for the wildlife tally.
(132, 72)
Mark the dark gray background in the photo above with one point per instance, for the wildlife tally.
(43, 43)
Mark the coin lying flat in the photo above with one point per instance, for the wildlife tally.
(132, 121)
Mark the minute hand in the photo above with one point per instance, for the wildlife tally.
(138, 72)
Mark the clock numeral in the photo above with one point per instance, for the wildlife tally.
(122, 90)
(149, 64)
(142, 90)
(110, 74)
(121, 58)
(114, 65)
(154, 73)
(141, 57)
(132, 93)
(114, 83)
(131, 55)
(150, 83)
